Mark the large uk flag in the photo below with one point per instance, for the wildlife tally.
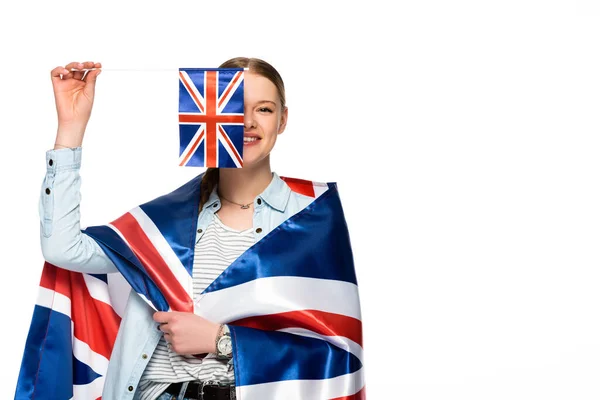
(291, 301)
(73, 330)
(211, 117)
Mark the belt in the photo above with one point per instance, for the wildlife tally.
(203, 390)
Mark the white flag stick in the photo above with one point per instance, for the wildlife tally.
(130, 69)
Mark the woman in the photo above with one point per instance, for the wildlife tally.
(238, 208)
(256, 273)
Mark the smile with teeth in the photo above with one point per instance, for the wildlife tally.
(250, 139)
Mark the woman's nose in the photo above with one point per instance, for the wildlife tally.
(248, 120)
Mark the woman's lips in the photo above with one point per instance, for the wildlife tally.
(253, 142)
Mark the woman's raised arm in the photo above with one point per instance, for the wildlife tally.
(62, 242)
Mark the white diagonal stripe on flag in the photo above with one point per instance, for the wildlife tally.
(225, 141)
(189, 85)
(230, 90)
(53, 300)
(86, 355)
(97, 288)
(340, 341)
(164, 249)
(114, 294)
(319, 188)
(92, 390)
(294, 293)
(192, 146)
(118, 232)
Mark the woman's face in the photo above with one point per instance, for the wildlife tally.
(263, 118)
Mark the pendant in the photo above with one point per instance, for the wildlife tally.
(246, 206)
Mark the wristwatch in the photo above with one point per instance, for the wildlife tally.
(223, 342)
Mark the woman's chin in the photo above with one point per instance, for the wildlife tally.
(250, 161)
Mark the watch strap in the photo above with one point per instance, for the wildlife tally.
(223, 331)
(219, 334)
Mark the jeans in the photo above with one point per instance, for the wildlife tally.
(169, 396)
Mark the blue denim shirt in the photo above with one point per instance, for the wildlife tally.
(64, 245)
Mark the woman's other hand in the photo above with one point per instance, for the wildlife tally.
(188, 333)
(74, 96)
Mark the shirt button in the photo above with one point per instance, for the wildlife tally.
(47, 191)
(50, 162)
(199, 230)
(130, 388)
(144, 356)
(258, 230)
(258, 201)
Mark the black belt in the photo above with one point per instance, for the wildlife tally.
(203, 391)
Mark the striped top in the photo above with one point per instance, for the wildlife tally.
(217, 249)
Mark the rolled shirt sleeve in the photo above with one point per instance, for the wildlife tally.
(63, 243)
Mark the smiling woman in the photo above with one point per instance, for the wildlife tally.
(198, 262)
(265, 118)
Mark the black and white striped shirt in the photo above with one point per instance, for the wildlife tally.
(217, 249)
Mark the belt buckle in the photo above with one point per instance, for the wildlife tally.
(205, 383)
(232, 394)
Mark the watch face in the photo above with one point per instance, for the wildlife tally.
(224, 345)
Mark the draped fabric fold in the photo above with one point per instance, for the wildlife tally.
(291, 301)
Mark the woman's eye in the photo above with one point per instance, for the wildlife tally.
(265, 109)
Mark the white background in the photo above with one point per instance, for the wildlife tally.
(464, 137)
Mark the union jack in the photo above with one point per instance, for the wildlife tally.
(301, 341)
(211, 117)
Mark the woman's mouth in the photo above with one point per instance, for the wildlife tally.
(251, 140)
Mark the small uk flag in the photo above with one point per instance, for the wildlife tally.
(211, 117)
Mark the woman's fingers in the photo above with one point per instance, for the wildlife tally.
(168, 339)
(90, 77)
(70, 66)
(79, 74)
(57, 72)
(83, 65)
(66, 72)
(93, 74)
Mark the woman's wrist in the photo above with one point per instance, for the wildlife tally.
(212, 346)
(66, 144)
(70, 135)
(58, 146)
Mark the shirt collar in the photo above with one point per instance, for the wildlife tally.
(212, 199)
(275, 195)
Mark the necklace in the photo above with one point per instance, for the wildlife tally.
(244, 206)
